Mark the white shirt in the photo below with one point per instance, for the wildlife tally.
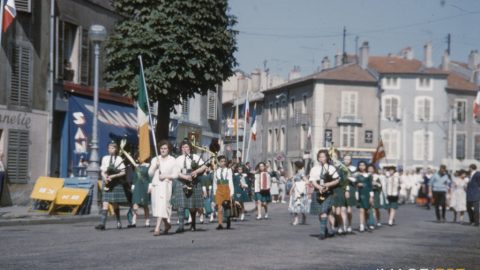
(393, 184)
(116, 160)
(168, 166)
(185, 162)
(317, 172)
(2, 168)
(223, 173)
(257, 181)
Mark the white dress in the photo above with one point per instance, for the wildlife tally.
(162, 189)
(458, 200)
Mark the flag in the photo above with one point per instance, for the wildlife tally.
(247, 111)
(253, 127)
(379, 153)
(476, 105)
(9, 13)
(309, 132)
(142, 120)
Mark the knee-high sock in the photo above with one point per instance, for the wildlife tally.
(181, 217)
(117, 213)
(103, 217)
(323, 226)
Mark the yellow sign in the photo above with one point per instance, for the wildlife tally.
(46, 188)
(71, 197)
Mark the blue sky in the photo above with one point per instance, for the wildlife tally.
(286, 33)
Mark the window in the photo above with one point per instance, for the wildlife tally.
(185, 107)
(277, 111)
(282, 139)
(212, 105)
(424, 83)
(348, 136)
(423, 108)
(292, 108)
(21, 77)
(23, 5)
(283, 110)
(422, 145)
(270, 112)
(391, 82)
(276, 145)
(391, 107)
(476, 143)
(461, 146)
(68, 51)
(304, 104)
(17, 156)
(349, 103)
(269, 141)
(391, 143)
(303, 132)
(460, 107)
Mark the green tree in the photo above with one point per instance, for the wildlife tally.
(187, 47)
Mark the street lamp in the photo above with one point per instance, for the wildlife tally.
(97, 34)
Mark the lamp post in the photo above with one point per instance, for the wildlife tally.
(97, 34)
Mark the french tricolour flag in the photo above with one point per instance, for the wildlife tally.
(253, 128)
(9, 13)
(476, 105)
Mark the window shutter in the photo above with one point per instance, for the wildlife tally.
(23, 5)
(427, 108)
(185, 106)
(21, 77)
(476, 153)
(212, 105)
(394, 109)
(17, 157)
(85, 58)
(60, 46)
(461, 146)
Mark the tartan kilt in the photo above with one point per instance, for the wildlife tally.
(179, 200)
(339, 199)
(352, 201)
(116, 195)
(317, 208)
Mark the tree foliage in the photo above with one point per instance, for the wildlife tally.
(187, 47)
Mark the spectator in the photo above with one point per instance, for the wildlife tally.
(438, 188)
(473, 195)
(2, 175)
(458, 201)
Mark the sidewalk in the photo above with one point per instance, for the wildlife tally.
(23, 215)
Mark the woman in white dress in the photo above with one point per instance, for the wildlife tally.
(458, 201)
(164, 170)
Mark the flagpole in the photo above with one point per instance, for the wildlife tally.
(1, 20)
(236, 127)
(245, 127)
(148, 106)
(248, 147)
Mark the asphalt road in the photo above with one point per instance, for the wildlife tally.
(415, 242)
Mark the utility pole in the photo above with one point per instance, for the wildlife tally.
(356, 48)
(449, 41)
(344, 55)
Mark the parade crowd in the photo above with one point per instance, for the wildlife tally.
(216, 189)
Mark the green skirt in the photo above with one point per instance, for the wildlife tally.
(339, 199)
(141, 181)
(352, 201)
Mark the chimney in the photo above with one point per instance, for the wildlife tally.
(255, 80)
(473, 59)
(338, 59)
(364, 55)
(294, 74)
(325, 63)
(476, 76)
(445, 61)
(428, 55)
(408, 53)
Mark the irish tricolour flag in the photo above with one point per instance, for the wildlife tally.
(142, 120)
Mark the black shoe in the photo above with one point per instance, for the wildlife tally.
(179, 230)
(228, 224)
(100, 227)
(219, 227)
(131, 226)
(322, 237)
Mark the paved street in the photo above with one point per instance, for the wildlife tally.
(415, 242)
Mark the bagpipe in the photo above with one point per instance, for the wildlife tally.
(324, 178)
(113, 169)
(211, 162)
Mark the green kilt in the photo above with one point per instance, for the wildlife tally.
(115, 195)
(241, 195)
(141, 181)
(352, 201)
(377, 201)
(263, 198)
(339, 199)
(179, 200)
(392, 202)
(317, 208)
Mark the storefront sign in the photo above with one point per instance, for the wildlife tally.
(15, 119)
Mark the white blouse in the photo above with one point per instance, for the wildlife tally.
(318, 170)
(116, 160)
(185, 162)
(223, 173)
(168, 166)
